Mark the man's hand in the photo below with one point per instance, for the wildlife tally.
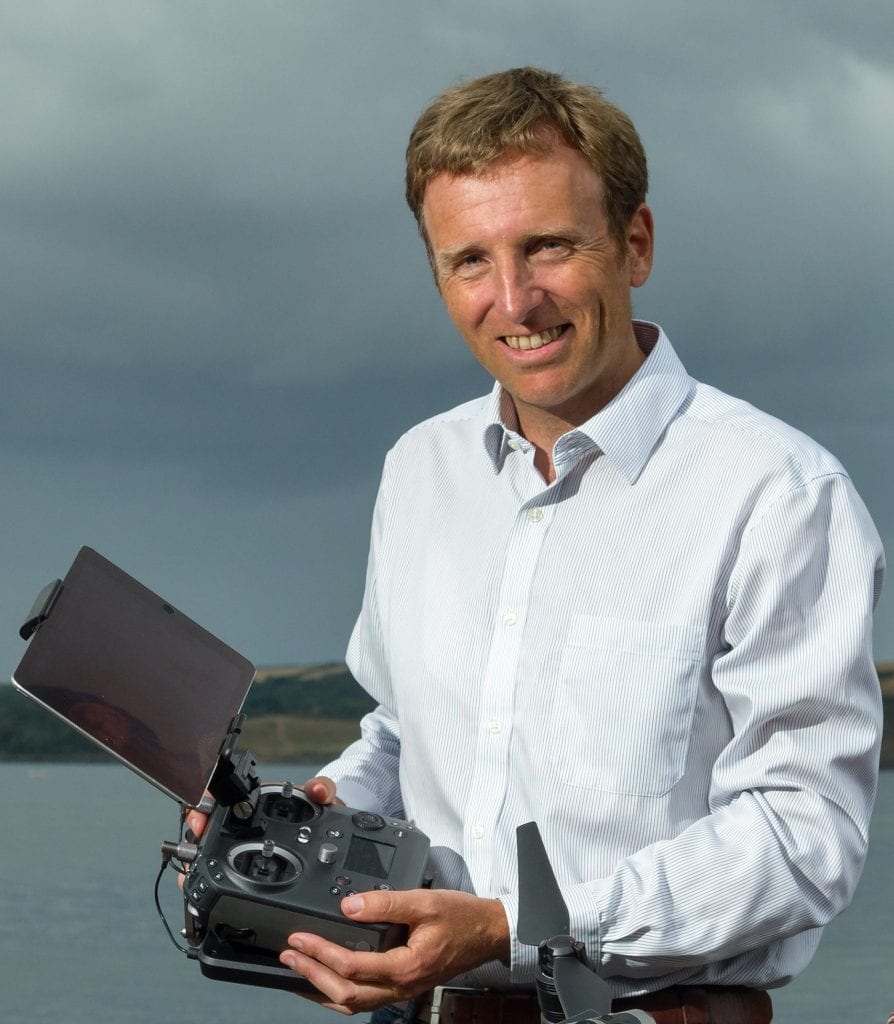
(450, 932)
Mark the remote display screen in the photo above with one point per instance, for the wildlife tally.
(369, 857)
(135, 675)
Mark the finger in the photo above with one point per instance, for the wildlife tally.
(313, 996)
(320, 789)
(407, 906)
(336, 992)
(355, 966)
(196, 822)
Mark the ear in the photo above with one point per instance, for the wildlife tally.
(640, 245)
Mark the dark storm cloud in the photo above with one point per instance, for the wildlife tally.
(231, 434)
(212, 287)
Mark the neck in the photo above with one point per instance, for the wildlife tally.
(543, 431)
(544, 426)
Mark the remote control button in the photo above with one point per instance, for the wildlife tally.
(342, 880)
(334, 890)
(334, 833)
(363, 947)
(384, 886)
(328, 853)
(368, 821)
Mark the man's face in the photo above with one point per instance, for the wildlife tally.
(536, 283)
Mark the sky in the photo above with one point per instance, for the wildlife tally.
(216, 311)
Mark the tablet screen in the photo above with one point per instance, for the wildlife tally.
(127, 669)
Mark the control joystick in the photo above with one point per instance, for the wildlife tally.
(288, 805)
(265, 864)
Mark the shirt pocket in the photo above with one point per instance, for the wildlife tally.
(623, 714)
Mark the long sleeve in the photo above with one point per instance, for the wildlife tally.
(782, 845)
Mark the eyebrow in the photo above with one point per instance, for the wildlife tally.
(448, 257)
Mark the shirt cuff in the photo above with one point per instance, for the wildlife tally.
(357, 796)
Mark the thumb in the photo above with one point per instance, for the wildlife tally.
(321, 790)
(388, 906)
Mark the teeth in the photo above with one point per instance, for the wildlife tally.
(524, 342)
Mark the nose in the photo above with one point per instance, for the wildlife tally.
(517, 291)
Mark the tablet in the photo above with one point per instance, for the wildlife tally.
(132, 673)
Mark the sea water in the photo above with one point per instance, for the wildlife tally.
(80, 941)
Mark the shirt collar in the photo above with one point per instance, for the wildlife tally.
(626, 430)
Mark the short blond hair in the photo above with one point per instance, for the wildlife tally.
(527, 110)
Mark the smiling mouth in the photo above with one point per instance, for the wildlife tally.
(525, 342)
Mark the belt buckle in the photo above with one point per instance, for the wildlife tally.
(437, 999)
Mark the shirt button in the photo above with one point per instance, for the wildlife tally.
(514, 445)
(478, 832)
(535, 515)
(494, 726)
(510, 619)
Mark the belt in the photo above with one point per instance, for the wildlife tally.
(708, 1004)
(680, 1004)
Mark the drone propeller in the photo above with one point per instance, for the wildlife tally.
(541, 908)
(579, 988)
(564, 973)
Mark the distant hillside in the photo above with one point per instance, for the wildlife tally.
(304, 713)
(296, 713)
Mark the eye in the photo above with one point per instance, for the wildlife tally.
(550, 248)
(468, 264)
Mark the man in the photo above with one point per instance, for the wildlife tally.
(606, 598)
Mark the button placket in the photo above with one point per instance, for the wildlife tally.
(491, 773)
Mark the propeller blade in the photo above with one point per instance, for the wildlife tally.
(541, 909)
(579, 989)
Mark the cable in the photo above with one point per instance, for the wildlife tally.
(164, 920)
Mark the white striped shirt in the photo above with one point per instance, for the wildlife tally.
(663, 657)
